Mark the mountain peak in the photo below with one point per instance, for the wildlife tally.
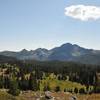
(24, 51)
(65, 52)
(66, 44)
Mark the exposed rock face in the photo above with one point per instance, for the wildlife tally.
(65, 52)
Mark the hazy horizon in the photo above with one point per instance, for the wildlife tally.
(17, 50)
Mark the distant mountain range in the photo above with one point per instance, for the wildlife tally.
(66, 52)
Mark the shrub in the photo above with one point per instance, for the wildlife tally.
(57, 89)
(97, 89)
(75, 90)
(82, 91)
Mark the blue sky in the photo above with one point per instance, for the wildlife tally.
(32, 24)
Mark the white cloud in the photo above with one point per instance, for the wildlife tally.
(83, 12)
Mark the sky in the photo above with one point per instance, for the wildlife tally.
(32, 24)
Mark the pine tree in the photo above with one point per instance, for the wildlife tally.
(33, 83)
(13, 88)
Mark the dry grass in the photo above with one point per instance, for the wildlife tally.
(89, 97)
(30, 95)
(61, 96)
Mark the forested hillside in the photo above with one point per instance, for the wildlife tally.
(52, 76)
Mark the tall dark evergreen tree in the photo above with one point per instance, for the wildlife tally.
(13, 88)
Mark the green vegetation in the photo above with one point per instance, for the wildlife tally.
(53, 82)
(13, 88)
(52, 76)
(6, 96)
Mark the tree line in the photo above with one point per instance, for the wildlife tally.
(13, 75)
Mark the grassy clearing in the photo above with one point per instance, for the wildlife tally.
(53, 82)
(6, 96)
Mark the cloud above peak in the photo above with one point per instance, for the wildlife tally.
(82, 12)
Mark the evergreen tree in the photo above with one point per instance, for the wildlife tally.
(33, 83)
(13, 88)
(23, 83)
(75, 90)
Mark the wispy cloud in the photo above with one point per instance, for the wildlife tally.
(83, 12)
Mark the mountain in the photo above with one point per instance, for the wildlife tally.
(38, 54)
(66, 52)
(6, 59)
